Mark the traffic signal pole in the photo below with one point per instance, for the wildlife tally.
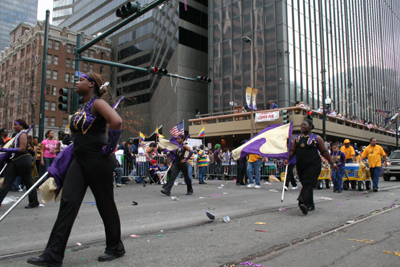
(126, 21)
(43, 81)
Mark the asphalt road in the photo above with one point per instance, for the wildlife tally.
(178, 233)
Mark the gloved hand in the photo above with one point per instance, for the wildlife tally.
(9, 150)
(113, 136)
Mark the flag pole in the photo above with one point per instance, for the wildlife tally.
(284, 182)
(33, 187)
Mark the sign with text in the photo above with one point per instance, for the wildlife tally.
(194, 142)
(267, 116)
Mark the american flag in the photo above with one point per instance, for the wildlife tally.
(177, 129)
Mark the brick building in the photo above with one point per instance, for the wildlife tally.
(21, 70)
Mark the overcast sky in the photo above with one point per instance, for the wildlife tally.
(42, 7)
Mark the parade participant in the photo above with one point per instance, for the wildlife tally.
(308, 163)
(179, 165)
(348, 151)
(374, 153)
(339, 159)
(290, 175)
(92, 166)
(202, 163)
(241, 169)
(19, 164)
(254, 163)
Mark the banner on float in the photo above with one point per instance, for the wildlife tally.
(267, 116)
(254, 99)
(248, 96)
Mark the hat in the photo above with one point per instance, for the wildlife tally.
(217, 146)
(153, 161)
(346, 141)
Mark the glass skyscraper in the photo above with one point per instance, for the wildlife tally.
(12, 13)
(351, 42)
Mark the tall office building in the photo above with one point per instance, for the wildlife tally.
(172, 36)
(12, 13)
(351, 42)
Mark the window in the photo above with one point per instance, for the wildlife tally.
(46, 121)
(46, 105)
(48, 59)
(50, 44)
(91, 53)
(72, 77)
(101, 69)
(69, 48)
(55, 60)
(52, 121)
(102, 55)
(22, 52)
(68, 63)
(55, 74)
(48, 73)
(65, 121)
(47, 89)
(91, 67)
(73, 64)
(53, 106)
(28, 49)
(57, 45)
(55, 90)
(85, 66)
(66, 77)
(86, 53)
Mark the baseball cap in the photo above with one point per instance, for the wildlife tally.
(346, 141)
(153, 161)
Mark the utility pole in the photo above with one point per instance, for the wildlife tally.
(323, 70)
(44, 71)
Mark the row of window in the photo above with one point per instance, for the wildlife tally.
(51, 104)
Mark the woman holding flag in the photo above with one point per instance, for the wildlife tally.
(306, 146)
(92, 167)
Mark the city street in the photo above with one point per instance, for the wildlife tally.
(353, 228)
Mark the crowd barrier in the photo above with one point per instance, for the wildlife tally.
(139, 167)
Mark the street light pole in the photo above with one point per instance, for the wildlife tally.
(249, 40)
(321, 18)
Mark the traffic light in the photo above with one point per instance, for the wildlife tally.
(63, 99)
(309, 115)
(203, 79)
(80, 101)
(285, 116)
(156, 70)
(127, 10)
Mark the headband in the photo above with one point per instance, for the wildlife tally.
(88, 78)
(16, 122)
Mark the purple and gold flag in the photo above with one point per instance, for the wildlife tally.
(270, 142)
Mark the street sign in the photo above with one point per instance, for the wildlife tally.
(78, 73)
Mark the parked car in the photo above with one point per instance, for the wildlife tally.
(393, 166)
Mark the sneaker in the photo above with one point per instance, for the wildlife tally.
(118, 185)
(257, 186)
(286, 188)
(267, 183)
(375, 189)
(294, 187)
(250, 185)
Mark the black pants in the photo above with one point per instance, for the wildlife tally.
(176, 168)
(22, 167)
(290, 176)
(241, 171)
(308, 178)
(95, 171)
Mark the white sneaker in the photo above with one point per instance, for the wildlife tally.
(267, 183)
(286, 188)
(294, 188)
(250, 185)
(257, 186)
(118, 185)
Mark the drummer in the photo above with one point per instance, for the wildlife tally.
(348, 151)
